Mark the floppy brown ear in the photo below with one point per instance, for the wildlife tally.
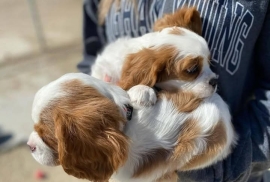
(90, 145)
(146, 67)
(184, 17)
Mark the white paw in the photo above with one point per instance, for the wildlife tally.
(142, 96)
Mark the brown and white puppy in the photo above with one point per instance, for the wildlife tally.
(173, 57)
(80, 124)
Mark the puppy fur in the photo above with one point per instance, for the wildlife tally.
(85, 121)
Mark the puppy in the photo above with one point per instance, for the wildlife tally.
(81, 124)
(170, 58)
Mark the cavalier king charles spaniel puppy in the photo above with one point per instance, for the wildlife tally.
(172, 57)
(87, 126)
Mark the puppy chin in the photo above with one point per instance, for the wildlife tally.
(46, 160)
(205, 92)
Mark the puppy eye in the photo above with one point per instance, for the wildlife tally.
(192, 69)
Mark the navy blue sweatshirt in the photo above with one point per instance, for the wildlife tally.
(238, 34)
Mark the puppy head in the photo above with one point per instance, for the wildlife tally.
(176, 58)
(78, 123)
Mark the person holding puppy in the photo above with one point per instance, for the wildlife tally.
(237, 34)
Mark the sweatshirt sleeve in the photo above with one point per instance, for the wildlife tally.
(93, 37)
(258, 110)
(251, 157)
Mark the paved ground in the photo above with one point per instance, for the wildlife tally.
(19, 166)
(19, 83)
(61, 25)
(25, 65)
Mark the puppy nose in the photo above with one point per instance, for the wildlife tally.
(213, 82)
(31, 147)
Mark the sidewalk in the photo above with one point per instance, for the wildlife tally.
(23, 57)
(61, 22)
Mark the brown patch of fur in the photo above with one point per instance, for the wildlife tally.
(148, 66)
(183, 101)
(89, 143)
(184, 17)
(46, 131)
(169, 177)
(216, 140)
(188, 133)
(151, 161)
(187, 63)
(175, 31)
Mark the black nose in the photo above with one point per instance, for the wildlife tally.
(213, 82)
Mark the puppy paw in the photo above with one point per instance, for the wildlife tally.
(142, 96)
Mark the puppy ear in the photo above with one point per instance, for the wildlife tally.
(90, 144)
(146, 67)
(184, 17)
